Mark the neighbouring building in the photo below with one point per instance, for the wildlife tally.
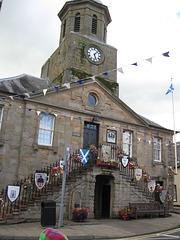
(75, 104)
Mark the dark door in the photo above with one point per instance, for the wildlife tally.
(90, 135)
(106, 200)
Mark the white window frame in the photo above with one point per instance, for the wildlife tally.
(45, 130)
(1, 115)
(127, 143)
(157, 149)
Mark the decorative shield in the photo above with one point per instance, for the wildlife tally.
(84, 156)
(151, 186)
(125, 161)
(138, 174)
(40, 180)
(13, 192)
(163, 195)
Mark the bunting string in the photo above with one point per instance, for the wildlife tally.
(68, 85)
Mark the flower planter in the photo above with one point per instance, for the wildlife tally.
(106, 164)
(80, 214)
(128, 217)
(79, 218)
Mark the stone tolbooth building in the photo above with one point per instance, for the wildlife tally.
(78, 106)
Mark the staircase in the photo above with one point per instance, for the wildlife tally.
(28, 206)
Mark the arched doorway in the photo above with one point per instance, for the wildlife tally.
(103, 193)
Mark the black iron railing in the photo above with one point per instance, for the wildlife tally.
(55, 180)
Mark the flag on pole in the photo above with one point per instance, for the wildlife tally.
(170, 89)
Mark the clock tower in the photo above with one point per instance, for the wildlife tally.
(83, 51)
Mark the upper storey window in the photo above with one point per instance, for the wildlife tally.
(94, 24)
(77, 22)
(46, 129)
(157, 149)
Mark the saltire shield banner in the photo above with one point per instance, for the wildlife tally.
(13, 192)
(138, 174)
(84, 156)
(40, 180)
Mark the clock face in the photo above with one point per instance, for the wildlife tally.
(94, 54)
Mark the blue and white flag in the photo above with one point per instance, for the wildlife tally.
(170, 89)
(84, 156)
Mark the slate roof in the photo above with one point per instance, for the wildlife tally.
(23, 84)
(151, 123)
(98, 1)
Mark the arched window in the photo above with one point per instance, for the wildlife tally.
(64, 28)
(77, 22)
(94, 24)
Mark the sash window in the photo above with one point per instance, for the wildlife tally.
(46, 128)
(157, 149)
(127, 143)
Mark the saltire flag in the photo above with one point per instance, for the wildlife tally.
(84, 156)
(170, 89)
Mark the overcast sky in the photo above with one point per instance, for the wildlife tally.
(140, 29)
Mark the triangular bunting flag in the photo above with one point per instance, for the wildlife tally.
(38, 113)
(67, 85)
(135, 64)
(11, 97)
(44, 91)
(149, 60)
(93, 78)
(56, 88)
(106, 73)
(120, 70)
(27, 94)
(80, 81)
(166, 54)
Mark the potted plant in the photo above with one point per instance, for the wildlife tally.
(93, 149)
(2, 200)
(119, 153)
(111, 163)
(76, 157)
(27, 186)
(132, 165)
(159, 188)
(147, 178)
(80, 214)
(125, 213)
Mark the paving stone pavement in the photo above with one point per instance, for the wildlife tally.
(92, 228)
